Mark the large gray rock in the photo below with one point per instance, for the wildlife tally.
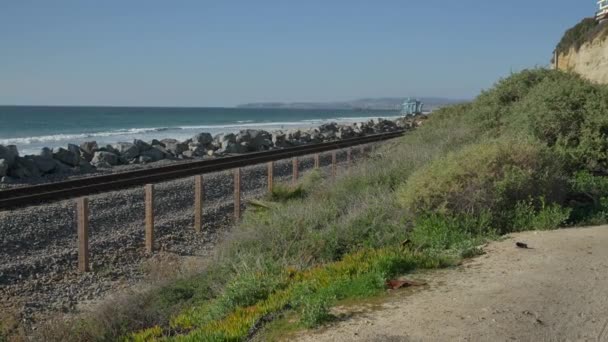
(142, 146)
(328, 127)
(197, 149)
(46, 152)
(154, 154)
(345, 132)
(279, 139)
(66, 156)
(233, 147)
(74, 149)
(254, 140)
(108, 148)
(203, 138)
(188, 154)
(24, 168)
(174, 147)
(224, 139)
(3, 167)
(45, 161)
(105, 159)
(9, 153)
(127, 150)
(89, 147)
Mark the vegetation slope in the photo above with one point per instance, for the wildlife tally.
(529, 153)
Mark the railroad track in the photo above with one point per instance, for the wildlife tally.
(37, 194)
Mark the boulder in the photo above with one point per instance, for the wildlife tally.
(105, 159)
(89, 147)
(24, 168)
(61, 168)
(254, 140)
(141, 145)
(45, 161)
(108, 148)
(3, 167)
(67, 157)
(127, 150)
(85, 166)
(196, 148)
(225, 138)
(279, 139)
(203, 138)
(46, 152)
(154, 154)
(174, 146)
(188, 154)
(315, 136)
(9, 153)
(144, 159)
(328, 127)
(345, 132)
(328, 135)
(74, 149)
(233, 147)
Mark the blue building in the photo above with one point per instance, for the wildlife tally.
(412, 106)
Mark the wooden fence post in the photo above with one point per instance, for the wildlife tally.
(149, 204)
(333, 164)
(237, 194)
(270, 176)
(82, 213)
(316, 159)
(296, 171)
(198, 203)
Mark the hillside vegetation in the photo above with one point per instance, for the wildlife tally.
(529, 153)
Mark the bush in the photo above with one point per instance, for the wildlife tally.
(568, 114)
(442, 232)
(528, 217)
(491, 111)
(486, 177)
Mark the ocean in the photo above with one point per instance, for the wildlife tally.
(31, 128)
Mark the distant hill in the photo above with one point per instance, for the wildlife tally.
(385, 103)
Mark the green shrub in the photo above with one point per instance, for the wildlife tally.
(568, 114)
(486, 177)
(491, 110)
(589, 198)
(443, 232)
(528, 216)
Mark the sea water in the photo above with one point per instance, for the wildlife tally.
(31, 128)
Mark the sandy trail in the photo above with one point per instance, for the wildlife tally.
(557, 291)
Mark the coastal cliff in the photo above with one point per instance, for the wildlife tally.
(584, 50)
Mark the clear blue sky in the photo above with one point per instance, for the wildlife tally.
(223, 52)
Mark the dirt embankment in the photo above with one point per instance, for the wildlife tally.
(555, 291)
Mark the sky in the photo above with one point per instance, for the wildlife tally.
(226, 52)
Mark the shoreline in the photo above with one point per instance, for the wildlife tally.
(90, 157)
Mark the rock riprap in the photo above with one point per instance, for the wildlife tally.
(89, 156)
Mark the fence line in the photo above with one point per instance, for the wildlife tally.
(82, 204)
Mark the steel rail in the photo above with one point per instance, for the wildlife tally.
(37, 194)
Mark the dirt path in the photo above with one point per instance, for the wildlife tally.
(557, 291)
